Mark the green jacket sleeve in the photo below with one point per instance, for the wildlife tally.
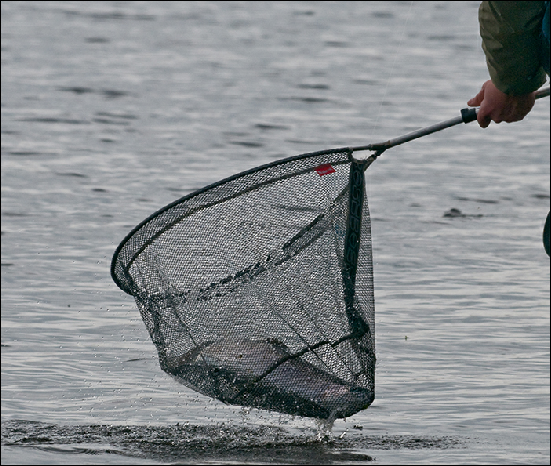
(510, 33)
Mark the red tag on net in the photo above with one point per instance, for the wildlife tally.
(325, 169)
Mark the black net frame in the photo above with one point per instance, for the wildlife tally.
(257, 290)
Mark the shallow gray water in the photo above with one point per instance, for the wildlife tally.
(111, 110)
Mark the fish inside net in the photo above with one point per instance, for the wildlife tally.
(258, 290)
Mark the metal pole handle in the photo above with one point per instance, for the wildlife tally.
(467, 115)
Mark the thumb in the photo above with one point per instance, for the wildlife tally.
(477, 99)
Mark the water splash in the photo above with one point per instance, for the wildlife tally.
(325, 430)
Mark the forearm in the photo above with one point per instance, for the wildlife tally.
(510, 40)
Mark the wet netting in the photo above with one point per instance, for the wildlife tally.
(258, 290)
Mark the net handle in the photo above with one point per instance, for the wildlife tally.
(467, 115)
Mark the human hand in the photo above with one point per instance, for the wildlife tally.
(497, 106)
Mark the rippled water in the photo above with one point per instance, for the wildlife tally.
(111, 110)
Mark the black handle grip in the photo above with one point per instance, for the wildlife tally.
(468, 114)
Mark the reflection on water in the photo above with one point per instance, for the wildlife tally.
(224, 443)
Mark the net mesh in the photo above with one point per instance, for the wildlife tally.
(258, 291)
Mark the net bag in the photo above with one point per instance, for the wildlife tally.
(258, 290)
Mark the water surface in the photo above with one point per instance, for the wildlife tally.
(111, 110)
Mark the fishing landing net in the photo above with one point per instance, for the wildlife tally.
(258, 290)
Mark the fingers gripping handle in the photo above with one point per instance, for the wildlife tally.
(469, 114)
